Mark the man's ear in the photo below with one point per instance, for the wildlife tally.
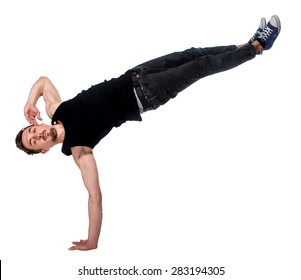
(44, 151)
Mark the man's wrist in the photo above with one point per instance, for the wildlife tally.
(29, 103)
(91, 244)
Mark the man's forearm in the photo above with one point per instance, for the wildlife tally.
(95, 220)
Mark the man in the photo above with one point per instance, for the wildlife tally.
(80, 123)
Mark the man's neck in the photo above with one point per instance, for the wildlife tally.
(60, 132)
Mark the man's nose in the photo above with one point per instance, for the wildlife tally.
(38, 135)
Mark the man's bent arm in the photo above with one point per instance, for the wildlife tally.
(83, 156)
(42, 87)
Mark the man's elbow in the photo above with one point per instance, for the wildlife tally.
(96, 197)
(43, 79)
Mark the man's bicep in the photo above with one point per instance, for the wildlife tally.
(83, 156)
(78, 153)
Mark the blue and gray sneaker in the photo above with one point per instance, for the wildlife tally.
(262, 26)
(270, 33)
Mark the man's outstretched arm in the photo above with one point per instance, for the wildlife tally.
(42, 87)
(83, 156)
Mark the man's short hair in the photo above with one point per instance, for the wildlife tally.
(21, 146)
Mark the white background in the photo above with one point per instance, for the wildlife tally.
(210, 179)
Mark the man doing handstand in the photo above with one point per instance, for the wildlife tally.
(80, 123)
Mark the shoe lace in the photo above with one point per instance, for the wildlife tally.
(266, 33)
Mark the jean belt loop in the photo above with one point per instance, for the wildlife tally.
(139, 91)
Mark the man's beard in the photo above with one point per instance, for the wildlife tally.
(53, 133)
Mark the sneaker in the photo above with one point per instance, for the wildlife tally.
(270, 33)
(258, 32)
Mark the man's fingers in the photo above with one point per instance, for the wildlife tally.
(31, 113)
(83, 242)
(39, 116)
(33, 121)
(80, 245)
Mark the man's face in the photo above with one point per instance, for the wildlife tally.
(39, 137)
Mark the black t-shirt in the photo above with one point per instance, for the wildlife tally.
(91, 115)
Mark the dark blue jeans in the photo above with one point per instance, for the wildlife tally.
(163, 78)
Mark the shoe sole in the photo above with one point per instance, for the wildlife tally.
(278, 23)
